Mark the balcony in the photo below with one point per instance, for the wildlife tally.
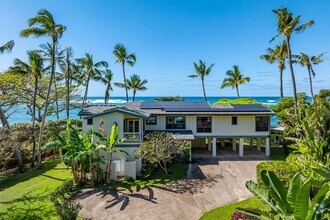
(132, 137)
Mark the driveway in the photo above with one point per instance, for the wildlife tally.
(222, 182)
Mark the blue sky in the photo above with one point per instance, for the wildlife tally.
(169, 35)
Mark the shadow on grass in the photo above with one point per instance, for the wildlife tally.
(13, 180)
(28, 207)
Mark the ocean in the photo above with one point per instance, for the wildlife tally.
(21, 116)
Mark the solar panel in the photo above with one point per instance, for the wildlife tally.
(180, 106)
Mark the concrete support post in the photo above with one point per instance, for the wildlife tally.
(258, 144)
(234, 144)
(251, 141)
(267, 152)
(241, 147)
(209, 144)
(223, 142)
(214, 147)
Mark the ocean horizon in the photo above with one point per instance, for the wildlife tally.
(21, 116)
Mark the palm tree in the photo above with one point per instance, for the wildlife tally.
(202, 71)
(286, 26)
(46, 51)
(234, 79)
(35, 68)
(7, 47)
(66, 66)
(106, 79)
(123, 57)
(308, 61)
(277, 55)
(134, 83)
(90, 70)
(44, 25)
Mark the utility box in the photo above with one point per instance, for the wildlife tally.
(130, 168)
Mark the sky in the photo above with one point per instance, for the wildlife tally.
(167, 36)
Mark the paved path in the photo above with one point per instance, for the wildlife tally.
(226, 184)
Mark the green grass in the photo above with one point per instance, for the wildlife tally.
(156, 178)
(26, 196)
(225, 212)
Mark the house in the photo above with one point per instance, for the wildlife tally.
(199, 122)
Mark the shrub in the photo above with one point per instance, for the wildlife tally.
(283, 169)
(61, 197)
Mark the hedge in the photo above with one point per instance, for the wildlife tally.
(283, 169)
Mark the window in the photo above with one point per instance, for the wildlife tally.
(234, 120)
(262, 123)
(132, 125)
(90, 121)
(204, 124)
(175, 122)
(152, 120)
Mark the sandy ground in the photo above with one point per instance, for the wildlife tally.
(223, 183)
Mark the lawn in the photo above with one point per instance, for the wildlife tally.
(156, 177)
(26, 196)
(225, 212)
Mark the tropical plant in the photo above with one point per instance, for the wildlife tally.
(286, 26)
(308, 61)
(91, 70)
(234, 79)
(106, 79)
(170, 99)
(7, 47)
(134, 83)
(108, 143)
(291, 203)
(277, 55)
(160, 148)
(202, 71)
(35, 68)
(44, 25)
(123, 57)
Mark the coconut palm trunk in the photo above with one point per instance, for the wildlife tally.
(204, 90)
(34, 120)
(125, 81)
(311, 82)
(46, 103)
(281, 82)
(67, 82)
(56, 100)
(237, 91)
(86, 91)
(292, 75)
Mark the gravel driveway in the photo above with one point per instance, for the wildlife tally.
(221, 182)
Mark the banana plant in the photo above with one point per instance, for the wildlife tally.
(293, 203)
(108, 144)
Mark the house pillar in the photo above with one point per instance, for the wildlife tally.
(241, 147)
(251, 141)
(258, 144)
(209, 144)
(214, 147)
(234, 144)
(223, 142)
(267, 152)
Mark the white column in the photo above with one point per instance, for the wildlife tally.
(241, 147)
(214, 147)
(234, 144)
(258, 144)
(223, 142)
(251, 141)
(209, 144)
(267, 152)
